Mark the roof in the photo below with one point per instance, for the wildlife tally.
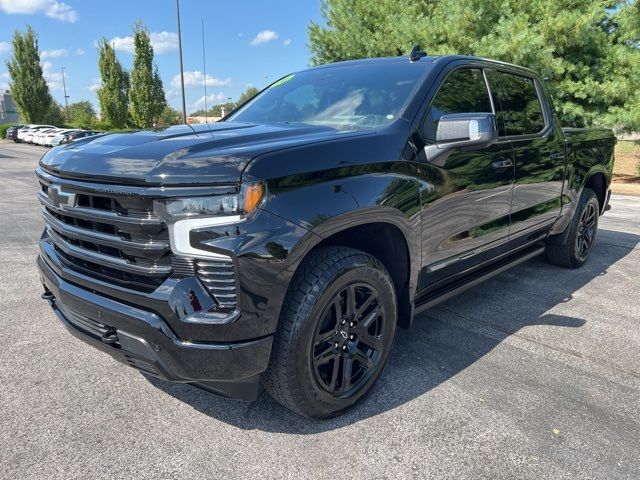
(427, 61)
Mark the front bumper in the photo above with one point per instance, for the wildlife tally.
(141, 339)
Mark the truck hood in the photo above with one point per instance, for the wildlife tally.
(216, 153)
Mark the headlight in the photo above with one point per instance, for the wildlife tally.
(243, 203)
(183, 215)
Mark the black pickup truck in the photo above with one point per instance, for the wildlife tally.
(285, 244)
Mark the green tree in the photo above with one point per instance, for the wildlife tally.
(588, 51)
(54, 115)
(112, 95)
(28, 86)
(170, 116)
(216, 110)
(81, 114)
(247, 95)
(146, 95)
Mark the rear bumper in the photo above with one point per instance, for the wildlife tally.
(142, 339)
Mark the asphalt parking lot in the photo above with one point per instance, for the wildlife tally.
(533, 374)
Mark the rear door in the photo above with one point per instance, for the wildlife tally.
(467, 197)
(525, 119)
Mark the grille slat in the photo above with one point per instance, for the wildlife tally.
(104, 238)
(92, 214)
(106, 260)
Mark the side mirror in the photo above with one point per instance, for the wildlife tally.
(466, 130)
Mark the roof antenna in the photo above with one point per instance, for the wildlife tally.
(416, 53)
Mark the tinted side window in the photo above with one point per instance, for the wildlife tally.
(519, 111)
(463, 91)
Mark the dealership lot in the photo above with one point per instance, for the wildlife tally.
(533, 374)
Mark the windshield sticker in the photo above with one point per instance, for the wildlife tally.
(283, 80)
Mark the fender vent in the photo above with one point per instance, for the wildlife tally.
(218, 275)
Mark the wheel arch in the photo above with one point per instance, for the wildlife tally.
(597, 181)
(382, 232)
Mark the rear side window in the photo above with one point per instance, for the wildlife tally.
(518, 107)
(463, 91)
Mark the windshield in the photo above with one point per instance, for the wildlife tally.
(350, 97)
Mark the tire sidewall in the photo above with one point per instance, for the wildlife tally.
(309, 394)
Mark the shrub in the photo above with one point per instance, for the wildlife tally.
(3, 129)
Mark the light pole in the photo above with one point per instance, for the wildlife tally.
(204, 74)
(66, 103)
(184, 104)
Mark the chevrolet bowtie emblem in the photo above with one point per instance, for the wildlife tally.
(59, 198)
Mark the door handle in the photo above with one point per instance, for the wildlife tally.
(502, 164)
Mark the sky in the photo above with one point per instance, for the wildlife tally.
(247, 42)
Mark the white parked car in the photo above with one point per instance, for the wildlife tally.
(53, 139)
(26, 135)
(23, 130)
(39, 137)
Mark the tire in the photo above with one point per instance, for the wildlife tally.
(574, 251)
(325, 327)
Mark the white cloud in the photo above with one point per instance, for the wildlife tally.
(95, 84)
(51, 8)
(212, 99)
(264, 36)
(4, 85)
(79, 51)
(5, 47)
(196, 79)
(286, 42)
(54, 53)
(53, 77)
(162, 42)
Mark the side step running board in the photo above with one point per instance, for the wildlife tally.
(446, 294)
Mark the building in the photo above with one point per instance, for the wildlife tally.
(8, 111)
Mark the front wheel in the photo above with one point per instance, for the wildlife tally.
(576, 247)
(335, 331)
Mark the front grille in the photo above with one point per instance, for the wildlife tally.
(118, 239)
(115, 238)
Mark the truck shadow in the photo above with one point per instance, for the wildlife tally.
(443, 342)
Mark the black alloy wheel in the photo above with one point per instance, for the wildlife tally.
(347, 345)
(586, 231)
(334, 333)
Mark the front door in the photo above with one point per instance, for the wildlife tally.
(466, 196)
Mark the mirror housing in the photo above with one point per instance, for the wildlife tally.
(466, 130)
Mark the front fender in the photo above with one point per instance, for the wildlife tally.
(297, 215)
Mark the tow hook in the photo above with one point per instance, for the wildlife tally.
(47, 296)
(110, 337)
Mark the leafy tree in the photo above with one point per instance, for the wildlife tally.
(54, 115)
(588, 51)
(170, 116)
(28, 86)
(247, 95)
(215, 111)
(81, 114)
(146, 95)
(112, 95)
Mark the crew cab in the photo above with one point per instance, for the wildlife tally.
(285, 244)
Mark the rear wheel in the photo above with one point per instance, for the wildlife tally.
(334, 334)
(574, 251)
